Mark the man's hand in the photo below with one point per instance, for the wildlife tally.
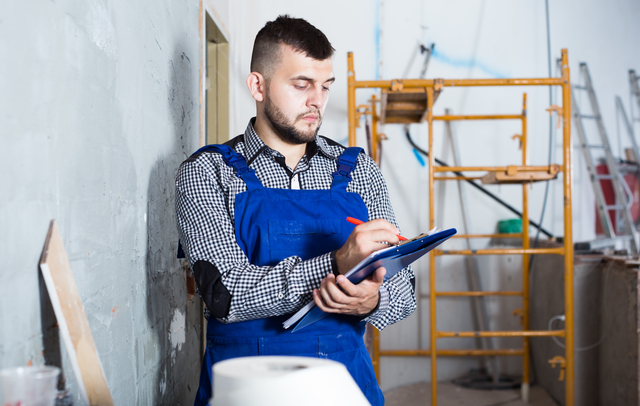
(365, 239)
(339, 295)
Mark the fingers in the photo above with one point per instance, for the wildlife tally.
(329, 297)
(339, 295)
(365, 239)
(331, 293)
(379, 224)
(378, 275)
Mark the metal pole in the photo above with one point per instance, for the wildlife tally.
(351, 99)
(432, 257)
(568, 235)
(526, 361)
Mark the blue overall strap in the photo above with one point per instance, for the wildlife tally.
(237, 162)
(346, 163)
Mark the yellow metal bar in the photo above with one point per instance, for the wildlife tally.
(432, 257)
(450, 353)
(489, 168)
(375, 336)
(451, 117)
(351, 99)
(457, 178)
(487, 236)
(507, 251)
(351, 112)
(484, 293)
(525, 245)
(568, 234)
(374, 131)
(429, 83)
(540, 333)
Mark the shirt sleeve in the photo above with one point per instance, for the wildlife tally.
(207, 233)
(397, 297)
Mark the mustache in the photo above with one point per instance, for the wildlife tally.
(316, 112)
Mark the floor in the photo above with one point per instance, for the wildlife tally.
(419, 394)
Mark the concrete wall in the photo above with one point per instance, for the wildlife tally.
(606, 328)
(98, 107)
(474, 39)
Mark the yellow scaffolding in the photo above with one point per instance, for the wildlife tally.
(411, 100)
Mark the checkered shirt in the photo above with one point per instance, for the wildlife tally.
(205, 197)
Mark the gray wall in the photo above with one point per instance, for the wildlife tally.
(606, 328)
(98, 107)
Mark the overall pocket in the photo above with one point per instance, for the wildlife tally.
(310, 237)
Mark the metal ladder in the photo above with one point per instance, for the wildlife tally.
(621, 190)
(635, 93)
(628, 125)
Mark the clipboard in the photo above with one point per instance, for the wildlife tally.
(393, 259)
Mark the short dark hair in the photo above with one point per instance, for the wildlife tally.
(295, 32)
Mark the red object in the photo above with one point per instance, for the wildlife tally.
(610, 197)
(358, 222)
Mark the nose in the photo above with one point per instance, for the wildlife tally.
(316, 98)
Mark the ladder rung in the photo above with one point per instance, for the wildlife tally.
(580, 87)
(450, 353)
(602, 176)
(596, 146)
(589, 116)
(615, 207)
(481, 293)
(502, 251)
(539, 333)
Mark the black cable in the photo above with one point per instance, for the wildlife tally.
(474, 184)
(546, 188)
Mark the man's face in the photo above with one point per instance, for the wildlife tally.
(296, 95)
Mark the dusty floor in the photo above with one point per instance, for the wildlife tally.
(419, 394)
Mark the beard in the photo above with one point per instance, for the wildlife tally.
(285, 129)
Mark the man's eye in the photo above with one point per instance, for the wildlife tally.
(326, 89)
(299, 87)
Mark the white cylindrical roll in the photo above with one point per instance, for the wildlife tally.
(284, 381)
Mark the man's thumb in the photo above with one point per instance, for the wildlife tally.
(378, 275)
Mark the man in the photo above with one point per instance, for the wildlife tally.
(263, 221)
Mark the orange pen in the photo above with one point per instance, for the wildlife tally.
(358, 222)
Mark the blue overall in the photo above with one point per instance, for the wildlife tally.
(273, 224)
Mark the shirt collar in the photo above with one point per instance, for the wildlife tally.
(254, 145)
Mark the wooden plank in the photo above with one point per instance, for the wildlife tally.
(403, 106)
(513, 176)
(72, 320)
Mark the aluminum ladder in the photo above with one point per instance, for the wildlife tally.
(635, 93)
(621, 190)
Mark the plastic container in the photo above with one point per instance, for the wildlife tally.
(511, 226)
(29, 386)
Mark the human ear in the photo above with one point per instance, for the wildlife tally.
(257, 86)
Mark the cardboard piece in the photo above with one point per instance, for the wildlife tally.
(72, 320)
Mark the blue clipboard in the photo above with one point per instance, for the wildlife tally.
(393, 259)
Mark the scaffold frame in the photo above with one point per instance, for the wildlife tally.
(432, 88)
